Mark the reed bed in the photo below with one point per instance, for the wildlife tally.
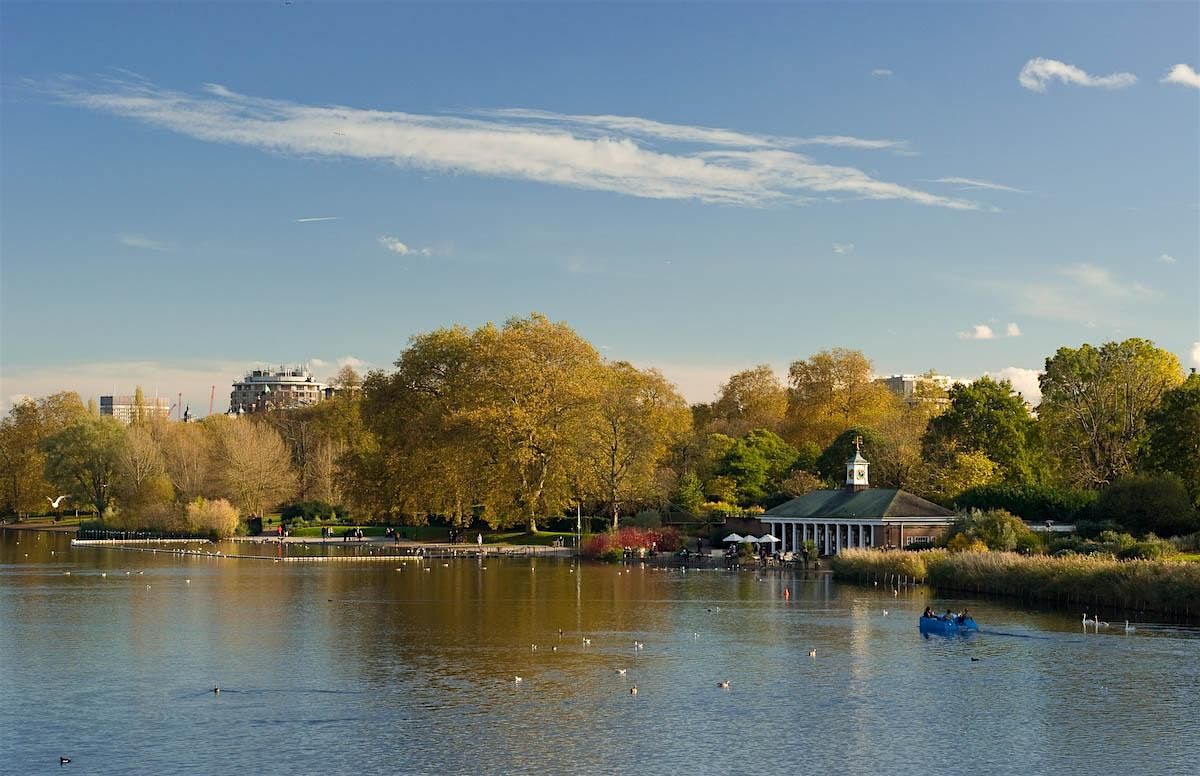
(1170, 587)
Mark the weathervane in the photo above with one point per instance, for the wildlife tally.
(858, 443)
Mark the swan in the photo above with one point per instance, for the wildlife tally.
(1086, 621)
(1100, 623)
(1129, 628)
(638, 645)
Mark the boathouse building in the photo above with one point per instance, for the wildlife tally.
(856, 515)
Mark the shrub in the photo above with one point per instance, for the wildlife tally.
(218, 517)
(1149, 503)
(1035, 503)
(719, 510)
(962, 543)
(611, 545)
(1150, 548)
(647, 518)
(997, 529)
(311, 511)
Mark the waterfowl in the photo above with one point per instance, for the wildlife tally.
(1086, 621)
(64, 760)
(1129, 628)
(622, 671)
(517, 680)
(633, 690)
(216, 690)
(638, 645)
(1100, 623)
(812, 652)
(533, 647)
(587, 642)
(723, 685)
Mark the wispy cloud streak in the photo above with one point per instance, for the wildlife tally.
(972, 183)
(1039, 72)
(315, 220)
(732, 168)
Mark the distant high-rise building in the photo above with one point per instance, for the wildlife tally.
(269, 389)
(124, 407)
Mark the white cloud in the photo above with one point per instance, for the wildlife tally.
(1166, 258)
(843, 248)
(1025, 381)
(1039, 72)
(1183, 75)
(1196, 354)
(882, 72)
(1012, 330)
(980, 331)
(318, 363)
(1103, 281)
(139, 241)
(352, 362)
(603, 153)
(973, 183)
(394, 245)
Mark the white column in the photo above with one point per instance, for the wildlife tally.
(862, 535)
(828, 540)
(795, 535)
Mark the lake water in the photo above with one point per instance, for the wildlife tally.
(408, 667)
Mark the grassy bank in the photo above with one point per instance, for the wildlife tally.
(1170, 587)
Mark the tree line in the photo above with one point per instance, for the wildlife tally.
(517, 423)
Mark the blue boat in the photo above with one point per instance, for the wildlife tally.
(936, 626)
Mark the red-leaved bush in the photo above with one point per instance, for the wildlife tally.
(611, 545)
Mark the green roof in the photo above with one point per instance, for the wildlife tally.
(871, 503)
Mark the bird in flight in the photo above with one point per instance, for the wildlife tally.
(54, 502)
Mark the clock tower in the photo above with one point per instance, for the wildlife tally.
(856, 468)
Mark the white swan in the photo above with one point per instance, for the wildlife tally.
(1086, 621)
(1129, 628)
(1100, 623)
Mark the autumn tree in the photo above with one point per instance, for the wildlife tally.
(186, 451)
(23, 485)
(82, 459)
(638, 415)
(750, 399)
(1095, 406)
(252, 465)
(830, 392)
(141, 471)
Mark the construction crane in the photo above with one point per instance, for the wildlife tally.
(212, 394)
(179, 407)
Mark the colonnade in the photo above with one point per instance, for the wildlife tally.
(830, 537)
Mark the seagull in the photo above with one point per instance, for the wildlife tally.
(638, 645)
(812, 652)
(633, 690)
(587, 642)
(1129, 628)
(533, 647)
(621, 672)
(723, 685)
(885, 612)
(54, 502)
(517, 680)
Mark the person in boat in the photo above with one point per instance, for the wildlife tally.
(929, 613)
(948, 616)
(962, 617)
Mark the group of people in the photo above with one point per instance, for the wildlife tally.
(949, 616)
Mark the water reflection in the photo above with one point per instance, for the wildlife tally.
(409, 666)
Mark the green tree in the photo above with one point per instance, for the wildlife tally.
(831, 464)
(985, 416)
(758, 464)
(689, 493)
(1174, 435)
(1095, 405)
(997, 528)
(82, 459)
(1149, 503)
(830, 392)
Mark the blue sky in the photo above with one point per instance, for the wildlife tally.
(902, 179)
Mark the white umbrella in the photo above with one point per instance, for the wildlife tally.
(748, 538)
(769, 539)
(732, 538)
